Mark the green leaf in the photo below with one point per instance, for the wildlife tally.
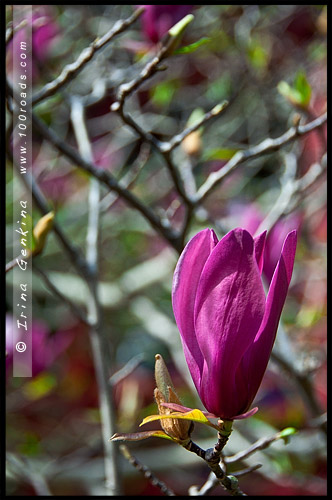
(300, 93)
(219, 154)
(220, 88)
(176, 34)
(163, 93)
(302, 85)
(258, 55)
(285, 433)
(188, 49)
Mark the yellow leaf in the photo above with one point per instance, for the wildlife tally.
(194, 416)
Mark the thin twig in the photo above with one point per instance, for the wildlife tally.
(260, 444)
(212, 482)
(150, 138)
(128, 180)
(152, 67)
(127, 369)
(176, 140)
(247, 470)
(77, 312)
(291, 194)
(146, 472)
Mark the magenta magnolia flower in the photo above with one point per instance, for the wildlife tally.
(227, 325)
(158, 19)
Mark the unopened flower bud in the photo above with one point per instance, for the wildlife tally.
(41, 230)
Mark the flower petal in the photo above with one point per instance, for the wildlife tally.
(229, 309)
(248, 414)
(256, 359)
(185, 282)
(259, 249)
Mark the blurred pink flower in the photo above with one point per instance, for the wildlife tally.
(275, 241)
(45, 347)
(44, 33)
(158, 19)
(250, 217)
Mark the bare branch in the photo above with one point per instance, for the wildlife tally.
(166, 147)
(292, 192)
(129, 179)
(267, 146)
(212, 482)
(127, 369)
(22, 467)
(146, 472)
(260, 444)
(247, 470)
(126, 89)
(73, 252)
(71, 70)
(93, 305)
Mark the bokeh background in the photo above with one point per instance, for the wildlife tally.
(245, 52)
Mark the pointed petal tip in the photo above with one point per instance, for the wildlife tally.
(259, 242)
(292, 235)
(288, 252)
(248, 414)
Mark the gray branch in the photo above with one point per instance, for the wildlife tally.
(71, 70)
(267, 146)
(97, 339)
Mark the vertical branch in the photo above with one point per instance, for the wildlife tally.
(93, 304)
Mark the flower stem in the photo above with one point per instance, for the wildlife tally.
(212, 458)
